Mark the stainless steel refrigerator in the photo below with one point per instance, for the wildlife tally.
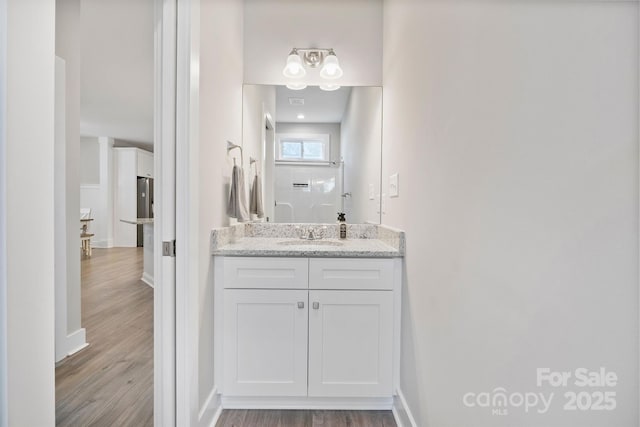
(145, 203)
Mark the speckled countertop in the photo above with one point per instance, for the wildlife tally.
(280, 240)
(287, 247)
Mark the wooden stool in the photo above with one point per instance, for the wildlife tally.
(85, 239)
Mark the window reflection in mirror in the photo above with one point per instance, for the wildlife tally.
(318, 152)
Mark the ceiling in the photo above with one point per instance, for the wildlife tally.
(319, 106)
(117, 70)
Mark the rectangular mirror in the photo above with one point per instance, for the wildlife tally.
(316, 152)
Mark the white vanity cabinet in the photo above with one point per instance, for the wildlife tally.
(350, 343)
(265, 351)
(307, 332)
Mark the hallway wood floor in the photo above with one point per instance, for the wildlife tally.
(271, 418)
(110, 383)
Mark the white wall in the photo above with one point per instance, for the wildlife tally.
(258, 101)
(361, 145)
(515, 132)
(27, 284)
(4, 372)
(89, 161)
(220, 111)
(99, 195)
(352, 28)
(125, 167)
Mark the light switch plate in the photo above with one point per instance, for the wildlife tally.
(393, 185)
(372, 192)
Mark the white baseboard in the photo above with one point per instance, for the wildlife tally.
(211, 410)
(216, 417)
(72, 344)
(102, 244)
(401, 412)
(147, 278)
(327, 403)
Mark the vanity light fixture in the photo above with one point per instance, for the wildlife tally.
(331, 69)
(312, 58)
(296, 86)
(329, 87)
(294, 68)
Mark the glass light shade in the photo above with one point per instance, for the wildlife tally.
(294, 68)
(329, 86)
(296, 86)
(331, 68)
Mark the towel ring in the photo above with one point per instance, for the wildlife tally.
(232, 146)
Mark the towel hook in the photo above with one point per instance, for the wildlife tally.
(252, 161)
(232, 146)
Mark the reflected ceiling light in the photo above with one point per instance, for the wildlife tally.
(296, 86)
(331, 69)
(294, 68)
(329, 86)
(299, 58)
(300, 116)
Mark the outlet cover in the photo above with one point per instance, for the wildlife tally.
(372, 192)
(393, 185)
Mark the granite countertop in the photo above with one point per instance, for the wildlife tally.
(289, 247)
(138, 221)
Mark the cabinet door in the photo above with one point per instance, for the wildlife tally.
(350, 343)
(265, 342)
(145, 164)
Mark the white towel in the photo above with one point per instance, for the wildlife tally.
(255, 197)
(237, 207)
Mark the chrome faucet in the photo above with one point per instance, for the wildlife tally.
(312, 234)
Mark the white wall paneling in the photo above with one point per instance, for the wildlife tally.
(99, 196)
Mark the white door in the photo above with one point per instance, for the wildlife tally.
(265, 342)
(164, 295)
(350, 343)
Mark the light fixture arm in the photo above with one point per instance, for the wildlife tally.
(312, 56)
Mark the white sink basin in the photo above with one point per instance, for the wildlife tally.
(300, 242)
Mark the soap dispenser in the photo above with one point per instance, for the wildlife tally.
(342, 225)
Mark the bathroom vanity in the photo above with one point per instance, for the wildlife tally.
(307, 324)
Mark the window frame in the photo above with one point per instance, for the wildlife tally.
(323, 138)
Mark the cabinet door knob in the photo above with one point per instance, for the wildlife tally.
(300, 304)
(316, 305)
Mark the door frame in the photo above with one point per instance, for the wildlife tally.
(164, 293)
(187, 69)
